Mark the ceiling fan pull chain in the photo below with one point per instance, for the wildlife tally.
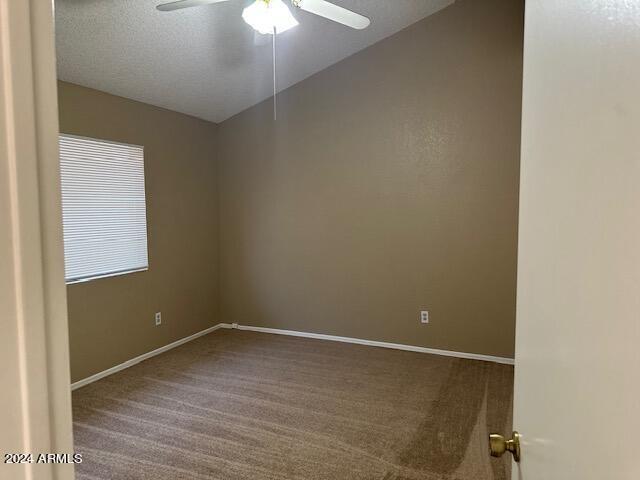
(275, 112)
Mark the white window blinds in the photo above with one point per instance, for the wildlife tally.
(103, 208)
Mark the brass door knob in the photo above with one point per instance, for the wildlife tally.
(498, 445)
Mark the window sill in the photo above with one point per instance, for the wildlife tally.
(107, 275)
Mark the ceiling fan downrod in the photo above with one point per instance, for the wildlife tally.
(275, 92)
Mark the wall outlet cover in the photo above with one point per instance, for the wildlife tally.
(424, 316)
(158, 318)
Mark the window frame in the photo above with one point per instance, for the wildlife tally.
(146, 222)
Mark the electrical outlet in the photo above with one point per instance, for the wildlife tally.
(424, 316)
(158, 318)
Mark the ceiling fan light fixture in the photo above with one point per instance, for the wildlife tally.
(267, 16)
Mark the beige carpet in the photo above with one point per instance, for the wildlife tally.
(243, 405)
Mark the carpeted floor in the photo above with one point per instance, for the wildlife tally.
(244, 405)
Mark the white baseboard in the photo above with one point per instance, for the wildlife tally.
(144, 356)
(374, 343)
(293, 333)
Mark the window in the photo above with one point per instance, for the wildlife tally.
(103, 208)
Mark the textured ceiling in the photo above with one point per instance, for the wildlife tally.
(206, 61)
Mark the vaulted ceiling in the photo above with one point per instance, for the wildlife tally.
(206, 61)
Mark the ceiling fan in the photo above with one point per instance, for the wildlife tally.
(273, 16)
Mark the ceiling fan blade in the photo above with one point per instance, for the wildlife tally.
(167, 7)
(333, 12)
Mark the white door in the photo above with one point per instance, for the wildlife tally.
(35, 398)
(577, 392)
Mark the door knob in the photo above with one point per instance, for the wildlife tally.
(498, 445)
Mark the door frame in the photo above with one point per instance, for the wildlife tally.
(35, 407)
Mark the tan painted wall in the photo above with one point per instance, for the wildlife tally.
(111, 320)
(388, 184)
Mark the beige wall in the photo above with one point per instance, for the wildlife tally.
(389, 184)
(111, 320)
